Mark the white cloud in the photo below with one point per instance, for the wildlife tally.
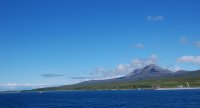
(189, 59)
(197, 43)
(139, 45)
(123, 69)
(155, 18)
(16, 86)
(183, 40)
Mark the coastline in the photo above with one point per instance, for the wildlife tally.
(139, 89)
(184, 88)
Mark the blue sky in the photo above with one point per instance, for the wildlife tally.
(56, 42)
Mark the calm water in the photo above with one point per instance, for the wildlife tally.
(103, 99)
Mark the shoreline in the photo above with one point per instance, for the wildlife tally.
(184, 88)
(139, 89)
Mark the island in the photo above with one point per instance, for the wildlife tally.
(151, 77)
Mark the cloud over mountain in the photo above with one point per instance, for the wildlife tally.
(123, 69)
(189, 59)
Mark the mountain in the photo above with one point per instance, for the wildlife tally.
(148, 72)
(147, 77)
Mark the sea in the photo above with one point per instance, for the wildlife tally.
(103, 99)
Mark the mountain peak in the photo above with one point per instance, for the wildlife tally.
(152, 66)
(155, 68)
(150, 70)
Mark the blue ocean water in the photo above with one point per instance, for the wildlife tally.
(103, 99)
